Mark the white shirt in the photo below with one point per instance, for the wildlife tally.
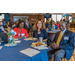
(63, 31)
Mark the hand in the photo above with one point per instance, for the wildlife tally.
(5, 31)
(21, 37)
(55, 46)
(52, 44)
(44, 40)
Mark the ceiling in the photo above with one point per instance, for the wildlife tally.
(40, 13)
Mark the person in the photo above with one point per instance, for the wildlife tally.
(68, 26)
(51, 21)
(10, 23)
(14, 25)
(4, 22)
(67, 21)
(47, 24)
(53, 26)
(20, 30)
(1, 27)
(7, 25)
(40, 31)
(57, 23)
(61, 20)
(63, 44)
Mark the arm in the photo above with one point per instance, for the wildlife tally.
(70, 44)
(34, 33)
(26, 33)
(45, 36)
(16, 33)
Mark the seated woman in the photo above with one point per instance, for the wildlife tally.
(57, 23)
(52, 26)
(47, 24)
(20, 30)
(40, 31)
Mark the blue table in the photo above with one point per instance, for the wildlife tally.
(14, 54)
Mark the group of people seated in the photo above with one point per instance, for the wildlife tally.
(61, 46)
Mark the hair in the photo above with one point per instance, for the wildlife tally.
(47, 22)
(57, 22)
(21, 22)
(35, 25)
(52, 21)
(62, 22)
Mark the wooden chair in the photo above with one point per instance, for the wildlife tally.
(71, 59)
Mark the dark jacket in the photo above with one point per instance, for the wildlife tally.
(66, 44)
(43, 34)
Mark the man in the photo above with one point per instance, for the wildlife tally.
(1, 27)
(63, 43)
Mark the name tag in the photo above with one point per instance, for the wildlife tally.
(66, 38)
(39, 32)
(23, 34)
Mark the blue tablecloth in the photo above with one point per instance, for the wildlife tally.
(14, 54)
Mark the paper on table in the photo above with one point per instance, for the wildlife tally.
(26, 39)
(1, 47)
(17, 41)
(30, 39)
(30, 52)
(9, 45)
(40, 48)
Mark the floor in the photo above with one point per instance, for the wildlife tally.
(73, 57)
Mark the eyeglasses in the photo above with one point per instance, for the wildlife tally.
(22, 24)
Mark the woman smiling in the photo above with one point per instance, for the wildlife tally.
(21, 32)
(40, 31)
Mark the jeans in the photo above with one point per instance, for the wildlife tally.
(58, 54)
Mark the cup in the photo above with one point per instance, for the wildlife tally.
(40, 39)
(0, 40)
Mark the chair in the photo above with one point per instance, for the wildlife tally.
(71, 59)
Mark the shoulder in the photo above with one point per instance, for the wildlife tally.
(35, 31)
(70, 32)
(58, 32)
(44, 30)
(24, 29)
(16, 28)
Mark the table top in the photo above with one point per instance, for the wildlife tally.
(14, 54)
(53, 31)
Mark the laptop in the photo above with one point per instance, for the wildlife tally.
(4, 37)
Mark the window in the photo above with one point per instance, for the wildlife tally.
(70, 18)
(59, 17)
(1, 16)
(54, 17)
(45, 19)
